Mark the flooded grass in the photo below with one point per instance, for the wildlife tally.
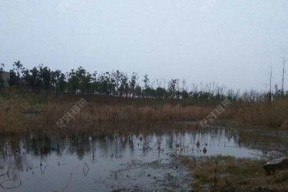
(227, 173)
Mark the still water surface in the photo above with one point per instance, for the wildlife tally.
(130, 162)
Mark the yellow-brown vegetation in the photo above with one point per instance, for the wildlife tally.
(22, 112)
(225, 173)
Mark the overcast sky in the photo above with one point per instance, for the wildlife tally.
(230, 42)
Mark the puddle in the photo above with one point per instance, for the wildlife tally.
(134, 162)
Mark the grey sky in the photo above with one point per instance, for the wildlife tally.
(230, 42)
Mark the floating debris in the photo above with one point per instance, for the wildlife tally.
(204, 150)
(198, 144)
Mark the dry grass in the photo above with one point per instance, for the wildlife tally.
(23, 114)
(129, 113)
(14, 114)
(221, 173)
(268, 114)
(20, 112)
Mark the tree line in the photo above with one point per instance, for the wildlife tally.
(42, 79)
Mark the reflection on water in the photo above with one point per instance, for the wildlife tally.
(130, 162)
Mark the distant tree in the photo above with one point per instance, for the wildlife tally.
(45, 78)
(84, 79)
(16, 74)
(94, 83)
(106, 84)
(172, 87)
(161, 92)
(204, 95)
(132, 84)
(2, 83)
(79, 81)
(146, 81)
(232, 95)
(118, 78)
(124, 87)
(184, 94)
(32, 79)
(58, 82)
(72, 82)
(150, 92)
(138, 90)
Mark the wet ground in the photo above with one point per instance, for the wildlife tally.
(126, 162)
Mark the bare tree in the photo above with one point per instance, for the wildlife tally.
(283, 76)
(270, 91)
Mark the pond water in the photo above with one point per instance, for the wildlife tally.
(114, 162)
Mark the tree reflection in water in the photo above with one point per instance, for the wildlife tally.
(99, 154)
